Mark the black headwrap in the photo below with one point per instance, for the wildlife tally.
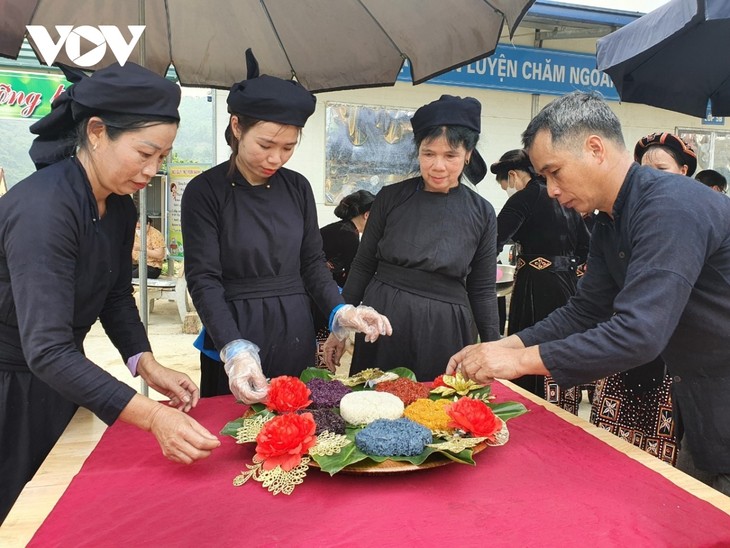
(449, 110)
(128, 89)
(269, 98)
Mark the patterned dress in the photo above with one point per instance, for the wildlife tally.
(636, 405)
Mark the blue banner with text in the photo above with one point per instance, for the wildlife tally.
(529, 70)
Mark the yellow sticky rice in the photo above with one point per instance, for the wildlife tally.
(429, 413)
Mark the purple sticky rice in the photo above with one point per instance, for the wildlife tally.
(326, 394)
(326, 419)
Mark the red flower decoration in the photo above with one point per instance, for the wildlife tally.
(473, 416)
(287, 394)
(438, 381)
(284, 439)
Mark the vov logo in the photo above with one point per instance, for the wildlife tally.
(101, 37)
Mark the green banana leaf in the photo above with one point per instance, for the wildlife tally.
(508, 410)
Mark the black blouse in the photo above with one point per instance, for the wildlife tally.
(61, 268)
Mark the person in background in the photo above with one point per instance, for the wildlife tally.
(66, 236)
(340, 241)
(553, 246)
(657, 281)
(155, 251)
(428, 256)
(666, 152)
(715, 180)
(253, 251)
(637, 404)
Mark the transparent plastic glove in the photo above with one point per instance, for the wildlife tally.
(363, 319)
(243, 366)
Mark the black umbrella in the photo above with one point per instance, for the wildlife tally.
(326, 44)
(675, 57)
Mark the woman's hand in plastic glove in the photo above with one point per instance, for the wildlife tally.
(243, 367)
(363, 319)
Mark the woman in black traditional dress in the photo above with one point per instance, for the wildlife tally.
(341, 239)
(253, 253)
(636, 405)
(553, 246)
(428, 256)
(66, 235)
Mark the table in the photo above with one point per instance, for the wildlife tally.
(559, 481)
(175, 288)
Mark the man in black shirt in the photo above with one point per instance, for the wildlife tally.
(657, 281)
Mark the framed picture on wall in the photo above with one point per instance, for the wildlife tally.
(366, 148)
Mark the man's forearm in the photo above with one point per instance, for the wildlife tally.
(530, 362)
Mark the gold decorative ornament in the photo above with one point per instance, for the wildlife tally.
(275, 480)
(540, 263)
(457, 444)
(250, 429)
(329, 443)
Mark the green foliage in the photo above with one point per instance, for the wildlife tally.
(403, 372)
(315, 373)
(508, 410)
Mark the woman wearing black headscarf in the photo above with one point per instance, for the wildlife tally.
(66, 235)
(253, 253)
(428, 257)
(553, 246)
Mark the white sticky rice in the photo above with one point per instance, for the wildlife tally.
(366, 406)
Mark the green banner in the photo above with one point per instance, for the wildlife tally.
(28, 95)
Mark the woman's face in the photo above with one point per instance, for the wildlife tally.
(660, 159)
(263, 149)
(514, 181)
(441, 165)
(126, 164)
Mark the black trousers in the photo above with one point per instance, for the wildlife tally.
(152, 272)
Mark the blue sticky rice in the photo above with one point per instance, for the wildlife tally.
(393, 437)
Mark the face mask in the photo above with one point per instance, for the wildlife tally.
(511, 191)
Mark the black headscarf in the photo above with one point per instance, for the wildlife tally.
(268, 98)
(128, 89)
(450, 110)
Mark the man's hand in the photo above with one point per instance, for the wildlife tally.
(495, 360)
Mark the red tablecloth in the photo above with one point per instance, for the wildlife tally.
(551, 485)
